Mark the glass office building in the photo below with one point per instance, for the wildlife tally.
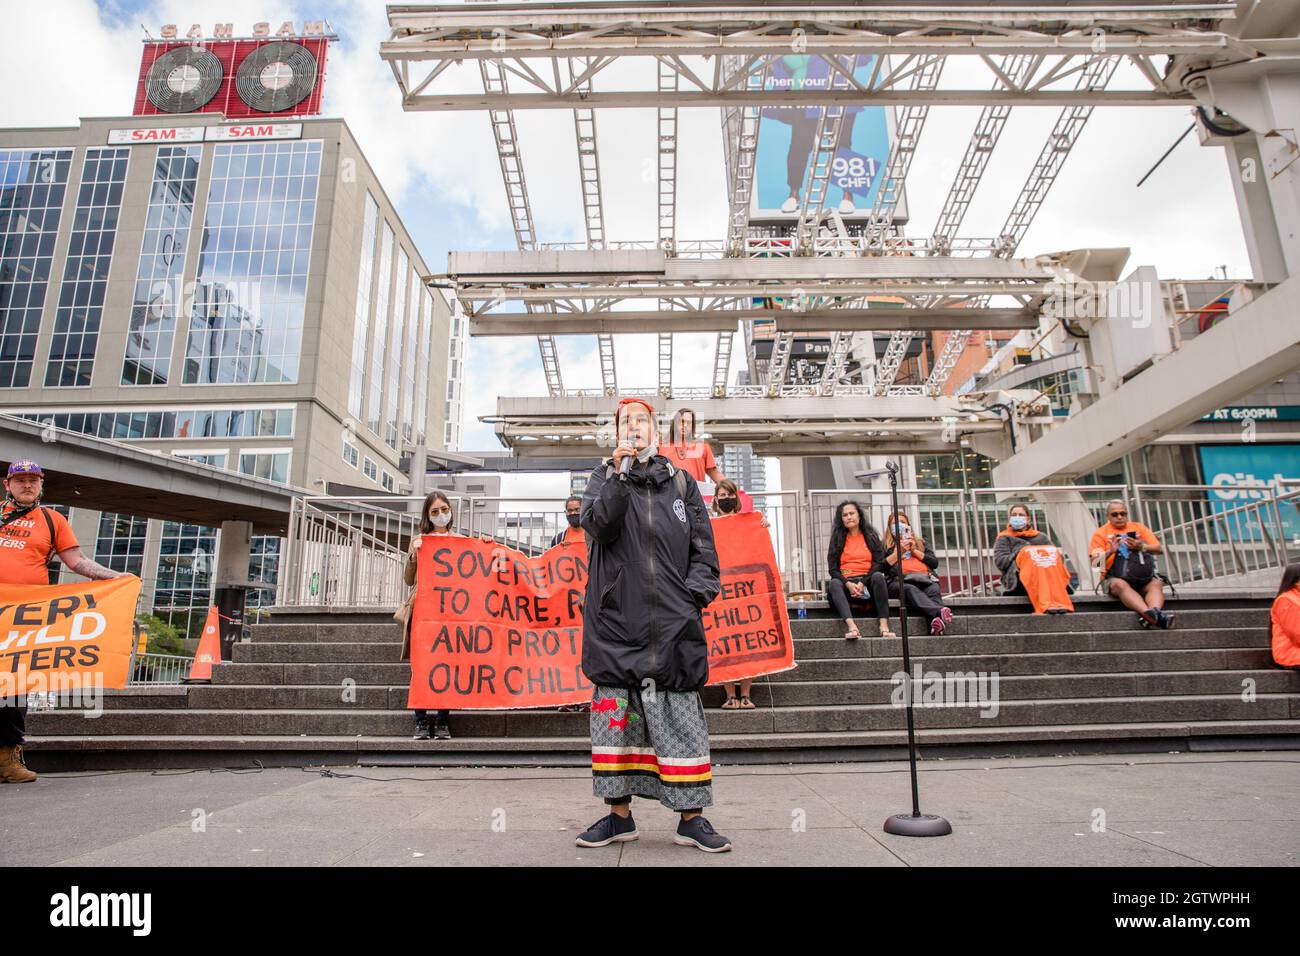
(254, 304)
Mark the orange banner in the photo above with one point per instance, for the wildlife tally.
(747, 626)
(63, 636)
(495, 629)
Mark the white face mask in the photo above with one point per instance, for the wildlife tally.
(646, 453)
(440, 520)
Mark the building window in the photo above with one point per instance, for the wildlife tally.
(393, 374)
(85, 274)
(263, 570)
(375, 398)
(186, 556)
(127, 424)
(388, 482)
(350, 454)
(422, 368)
(217, 459)
(251, 284)
(370, 469)
(271, 463)
(158, 292)
(32, 186)
(120, 543)
(361, 324)
(410, 358)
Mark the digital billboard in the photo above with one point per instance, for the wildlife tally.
(787, 137)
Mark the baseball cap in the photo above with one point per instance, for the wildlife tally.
(25, 466)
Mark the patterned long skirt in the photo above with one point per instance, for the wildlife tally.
(653, 745)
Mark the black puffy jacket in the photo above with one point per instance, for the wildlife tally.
(652, 568)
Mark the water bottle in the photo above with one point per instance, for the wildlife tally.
(803, 609)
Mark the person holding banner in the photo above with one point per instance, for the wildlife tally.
(653, 568)
(1031, 565)
(916, 582)
(437, 519)
(856, 562)
(30, 536)
(573, 533)
(726, 501)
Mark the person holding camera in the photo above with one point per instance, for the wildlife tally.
(1122, 551)
(914, 579)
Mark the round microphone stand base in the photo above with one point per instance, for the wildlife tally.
(920, 825)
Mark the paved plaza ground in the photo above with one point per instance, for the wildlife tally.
(1212, 809)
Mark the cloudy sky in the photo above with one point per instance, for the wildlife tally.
(441, 169)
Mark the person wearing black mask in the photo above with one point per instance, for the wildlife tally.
(572, 533)
(726, 501)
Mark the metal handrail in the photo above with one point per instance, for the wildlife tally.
(353, 544)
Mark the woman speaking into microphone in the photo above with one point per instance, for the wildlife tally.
(652, 569)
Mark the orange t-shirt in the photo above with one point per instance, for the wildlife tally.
(1103, 536)
(573, 536)
(913, 565)
(1285, 618)
(855, 559)
(25, 545)
(695, 458)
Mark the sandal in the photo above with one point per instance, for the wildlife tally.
(886, 632)
(747, 704)
(731, 703)
(852, 635)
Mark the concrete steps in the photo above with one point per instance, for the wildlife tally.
(328, 688)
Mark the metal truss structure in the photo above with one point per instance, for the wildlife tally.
(814, 276)
(693, 39)
(580, 289)
(799, 421)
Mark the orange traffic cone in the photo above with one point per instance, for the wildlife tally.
(209, 651)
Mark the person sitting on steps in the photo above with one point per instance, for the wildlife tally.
(1121, 550)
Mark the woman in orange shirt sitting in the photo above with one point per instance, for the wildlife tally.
(916, 584)
(1285, 618)
(855, 561)
(1032, 565)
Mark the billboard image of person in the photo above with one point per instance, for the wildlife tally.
(787, 139)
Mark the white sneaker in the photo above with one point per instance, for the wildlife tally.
(790, 205)
(846, 206)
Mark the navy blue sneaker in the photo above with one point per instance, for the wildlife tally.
(1164, 618)
(699, 833)
(609, 829)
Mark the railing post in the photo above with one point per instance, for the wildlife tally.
(963, 542)
(1279, 540)
(980, 550)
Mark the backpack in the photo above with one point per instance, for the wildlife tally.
(50, 561)
(1136, 568)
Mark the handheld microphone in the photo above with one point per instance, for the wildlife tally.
(627, 461)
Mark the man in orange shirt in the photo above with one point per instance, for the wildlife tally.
(29, 536)
(1122, 549)
(693, 457)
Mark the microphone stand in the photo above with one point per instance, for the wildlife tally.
(916, 823)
